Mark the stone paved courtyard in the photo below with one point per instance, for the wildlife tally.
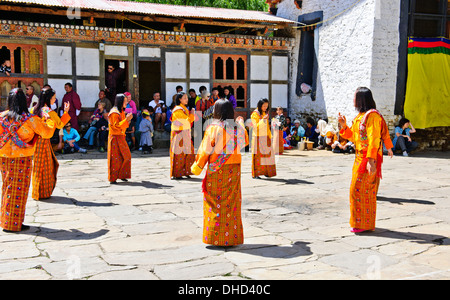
(295, 225)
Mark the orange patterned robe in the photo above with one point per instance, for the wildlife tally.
(45, 167)
(364, 186)
(16, 165)
(263, 154)
(119, 154)
(182, 154)
(220, 149)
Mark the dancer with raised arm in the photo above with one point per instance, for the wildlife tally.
(45, 164)
(119, 155)
(18, 133)
(367, 132)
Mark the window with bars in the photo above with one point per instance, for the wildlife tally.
(429, 18)
(230, 70)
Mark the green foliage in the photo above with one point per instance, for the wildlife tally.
(232, 4)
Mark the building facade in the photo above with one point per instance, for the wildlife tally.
(344, 44)
(240, 52)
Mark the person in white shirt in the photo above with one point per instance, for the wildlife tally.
(159, 107)
(32, 99)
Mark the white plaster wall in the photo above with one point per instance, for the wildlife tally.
(385, 58)
(351, 50)
(176, 65)
(258, 91)
(59, 60)
(280, 95)
(116, 50)
(259, 67)
(88, 61)
(88, 92)
(199, 65)
(149, 52)
(280, 67)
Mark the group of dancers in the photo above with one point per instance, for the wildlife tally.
(24, 135)
(220, 151)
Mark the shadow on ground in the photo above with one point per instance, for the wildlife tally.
(267, 250)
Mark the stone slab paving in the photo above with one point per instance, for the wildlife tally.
(295, 225)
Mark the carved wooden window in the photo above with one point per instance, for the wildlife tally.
(230, 70)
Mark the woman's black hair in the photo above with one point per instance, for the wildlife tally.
(178, 98)
(44, 99)
(364, 100)
(223, 110)
(260, 104)
(310, 121)
(17, 104)
(402, 122)
(120, 98)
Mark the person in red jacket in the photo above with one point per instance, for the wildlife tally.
(73, 99)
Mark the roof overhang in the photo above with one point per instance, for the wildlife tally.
(151, 12)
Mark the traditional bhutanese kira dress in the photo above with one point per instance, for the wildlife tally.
(182, 154)
(220, 149)
(17, 140)
(263, 154)
(45, 166)
(119, 155)
(368, 132)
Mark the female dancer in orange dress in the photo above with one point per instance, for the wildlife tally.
(367, 132)
(18, 133)
(119, 155)
(263, 154)
(45, 168)
(220, 149)
(182, 154)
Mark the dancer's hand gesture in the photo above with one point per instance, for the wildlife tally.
(342, 120)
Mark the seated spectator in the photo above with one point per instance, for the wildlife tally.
(201, 90)
(321, 130)
(71, 138)
(129, 135)
(193, 98)
(5, 67)
(214, 97)
(310, 132)
(286, 141)
(294, 137)
(229, 96)
(92, 131)
(168, 123)
(103, 131)
(340, 144)
(146, 129)
(159, 107)
(102, 97)
(57, 140)
(402, 137)
(300, 129)
(131, 106)
(288, 125)
(330, 133)
(202, 103)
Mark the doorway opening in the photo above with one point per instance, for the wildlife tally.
(116, 78)
(149, 81)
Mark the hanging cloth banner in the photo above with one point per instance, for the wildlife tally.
(427, 99)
